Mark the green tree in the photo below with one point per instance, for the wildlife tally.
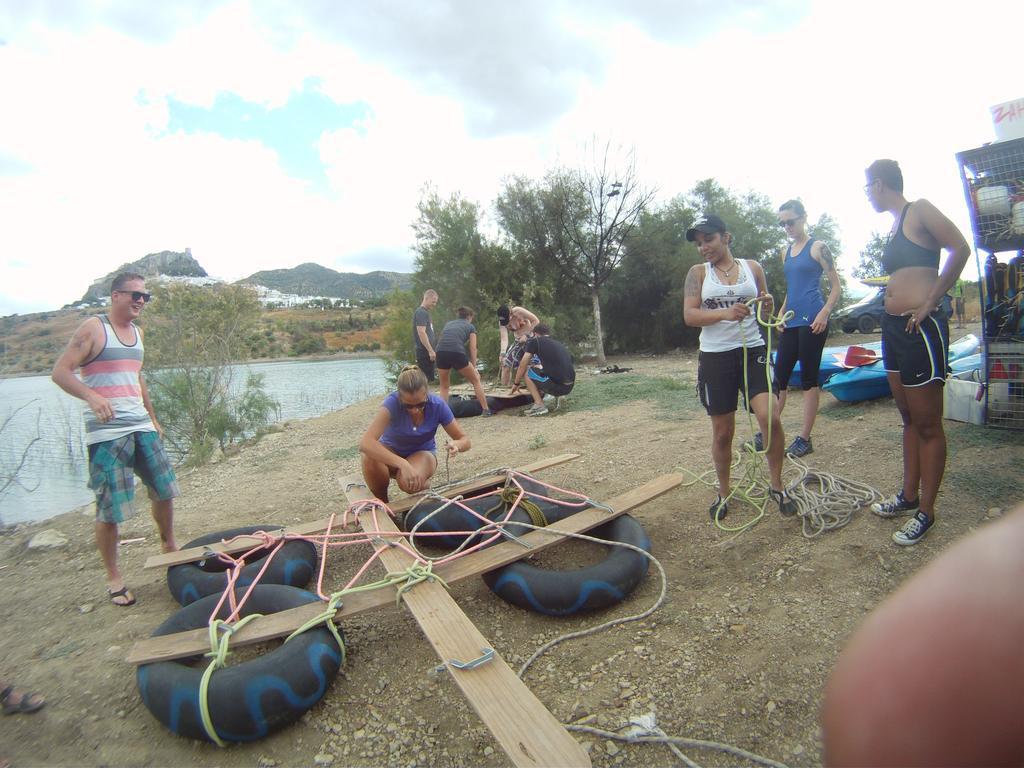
(753, 223)
(453, 256)
(193, 335)
(526, 211)
(597, 208)
(869, 263)
(645, 296)
(464, 266)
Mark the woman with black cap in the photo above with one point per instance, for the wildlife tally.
(715, 300)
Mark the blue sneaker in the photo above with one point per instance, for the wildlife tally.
(756, 444)
(895, 506)
(487, 413)
(800, 447)
(913, 530)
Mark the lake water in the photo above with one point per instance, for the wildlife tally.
(54, 476)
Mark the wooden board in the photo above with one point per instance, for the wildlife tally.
(521, 724)
(243, 543)
(194, 642)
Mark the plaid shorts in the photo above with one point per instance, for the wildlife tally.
(112, 466)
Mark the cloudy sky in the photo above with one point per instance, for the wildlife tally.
(265, 134)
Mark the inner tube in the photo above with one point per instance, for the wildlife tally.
(250, 700)
(564, 593)
(455, 518)
(293, 565)
(501, 403)
(464, 408)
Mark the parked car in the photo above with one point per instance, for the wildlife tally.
(866, 315)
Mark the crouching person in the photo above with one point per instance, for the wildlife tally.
(399, 443)
(556, 377)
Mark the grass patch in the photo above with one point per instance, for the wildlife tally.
(673, 398)
(538, 441)
(997, 486)
(341, 454)
(977, 436)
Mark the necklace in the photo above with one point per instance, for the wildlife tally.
(726, 272)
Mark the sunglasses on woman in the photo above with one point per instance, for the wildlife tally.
(415, 406)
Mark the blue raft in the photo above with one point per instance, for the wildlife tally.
(869, 382)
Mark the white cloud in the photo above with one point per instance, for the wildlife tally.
(788, 99)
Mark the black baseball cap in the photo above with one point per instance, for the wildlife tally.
(708, 224)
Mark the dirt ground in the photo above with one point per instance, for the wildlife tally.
(738, 653)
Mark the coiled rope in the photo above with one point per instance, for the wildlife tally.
(824, 501)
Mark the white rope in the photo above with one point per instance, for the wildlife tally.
(679, 741)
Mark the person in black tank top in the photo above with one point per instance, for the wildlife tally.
(915, 339)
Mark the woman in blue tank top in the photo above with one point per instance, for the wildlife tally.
(804, 262)
(399, 443)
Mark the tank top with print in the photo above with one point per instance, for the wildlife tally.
(714, 294)
(114, 374)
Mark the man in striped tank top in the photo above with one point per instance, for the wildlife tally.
(122, 431)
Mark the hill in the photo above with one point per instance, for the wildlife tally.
(170, 263)
(31, 344)
(315, 280)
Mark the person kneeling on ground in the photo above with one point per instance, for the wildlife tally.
(399, 443)
(558, 376)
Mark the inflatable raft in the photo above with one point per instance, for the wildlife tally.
(869, 382)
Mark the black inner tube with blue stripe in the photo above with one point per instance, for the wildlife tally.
(250, 700)
(547, 591)
(293, 565)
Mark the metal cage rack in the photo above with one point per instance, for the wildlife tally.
(993, 180)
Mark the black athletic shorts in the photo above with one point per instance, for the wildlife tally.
(448, 360)
(720, 378)
(917, 357)
(799, 344)
(549, 386)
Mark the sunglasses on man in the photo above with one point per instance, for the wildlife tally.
(139, 296)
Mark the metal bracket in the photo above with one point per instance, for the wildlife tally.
(487, 654)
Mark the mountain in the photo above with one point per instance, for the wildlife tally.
(315, 280)
(169, 263)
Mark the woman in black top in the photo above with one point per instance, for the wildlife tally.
(915, 339)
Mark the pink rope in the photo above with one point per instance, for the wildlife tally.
(381, 540)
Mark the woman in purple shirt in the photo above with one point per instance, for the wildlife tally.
(399, 443)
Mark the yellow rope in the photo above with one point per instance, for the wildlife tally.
(220, 637)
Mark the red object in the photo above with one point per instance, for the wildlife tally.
(857, 356)
(997, 372)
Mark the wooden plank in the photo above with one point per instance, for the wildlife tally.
(507, 552)
(521, 724)
(185, 644)
(181, 645)
(244, 543)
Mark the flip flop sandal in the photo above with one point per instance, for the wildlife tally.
(23, 707)
(122, 592)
